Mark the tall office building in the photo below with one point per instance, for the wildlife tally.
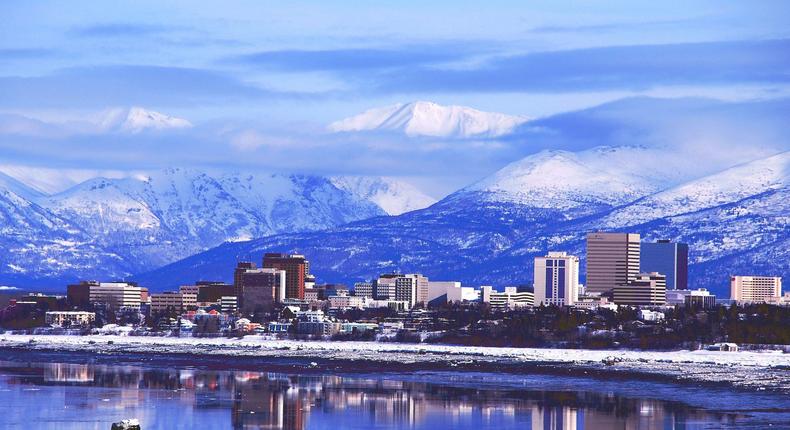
(556, 279)
(752, 289)
(384, 287)
(411, 288)
(671, 259)
(116, 295)
(363, 289)
(79, 295)
(241, 267)
(261, 288)
(612, 259)
(296, 267)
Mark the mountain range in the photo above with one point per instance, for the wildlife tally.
(117, 227)
(735, 221)
(657, 175)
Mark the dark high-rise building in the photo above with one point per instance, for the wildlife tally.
(79, 295)
(295, 267)
(241, 267)
(612, 260)
(261, 289)
(668, 258)
(211, 292)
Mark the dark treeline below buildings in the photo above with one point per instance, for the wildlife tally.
(636, 294)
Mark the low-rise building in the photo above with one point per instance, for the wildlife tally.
(511, 298)
(699, 298)
(357, 327)
(647, 289)
(594, 302)
(171, 300)
(278, 327)
(347, 302)
(651, 316)
(229, 304)
(70, 318)
(363, 289)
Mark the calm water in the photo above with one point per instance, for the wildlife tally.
(79, 396)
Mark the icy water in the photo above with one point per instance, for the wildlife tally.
(38, 395)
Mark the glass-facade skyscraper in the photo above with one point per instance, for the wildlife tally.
(668, 258)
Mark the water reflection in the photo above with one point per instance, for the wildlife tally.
(171, 398)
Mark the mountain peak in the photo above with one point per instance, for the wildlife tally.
(424, 118)
(564, 180)
(137, 119)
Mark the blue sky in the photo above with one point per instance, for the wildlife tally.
(285, 69)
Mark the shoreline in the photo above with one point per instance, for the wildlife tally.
(750, 371)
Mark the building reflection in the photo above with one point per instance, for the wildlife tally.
(263, 400)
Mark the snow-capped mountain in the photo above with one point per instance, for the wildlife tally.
(174, 213)
(113, 227)
(423, 118)
(731, 185)
(137, 119)
(392, 195)
(565, 180)
(735, 221)
(38, 244)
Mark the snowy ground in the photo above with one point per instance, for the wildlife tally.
(750, 370)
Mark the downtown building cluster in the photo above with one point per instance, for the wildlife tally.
(620, 271)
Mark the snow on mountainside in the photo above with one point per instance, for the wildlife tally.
(576, 183)
(11, 184)
(137, 119)
(422, 118)
(393, 196)
(174, 213)
(729, 186)
(38, 244)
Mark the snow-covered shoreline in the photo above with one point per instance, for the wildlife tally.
(750, 370)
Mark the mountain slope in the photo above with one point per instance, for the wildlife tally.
(38, 245)
(480, 236)
(422, 118)
(174, 213)
(393, 196)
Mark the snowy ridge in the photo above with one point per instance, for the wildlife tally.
(423, 118)
(176, 212)
(393, 196)
(564, 180)
(731, 185)
(11, 184)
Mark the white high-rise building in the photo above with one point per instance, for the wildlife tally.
(116, 295)
(411, 288)
(556, 279)
(751, 289)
